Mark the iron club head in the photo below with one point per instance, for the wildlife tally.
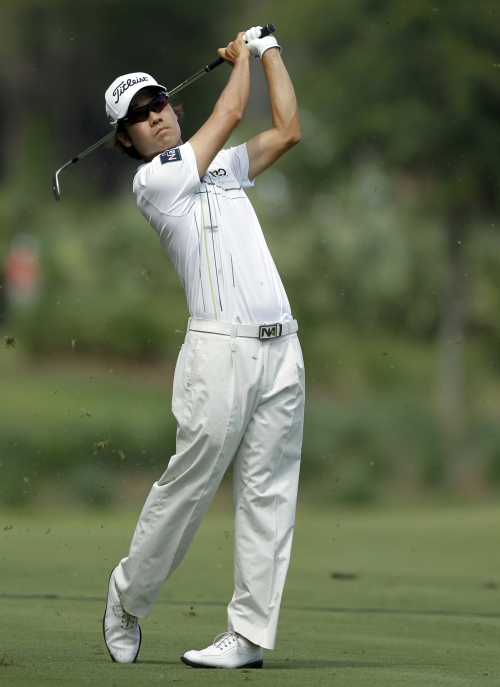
(55, 186)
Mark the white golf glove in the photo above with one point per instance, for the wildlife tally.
(258, 45)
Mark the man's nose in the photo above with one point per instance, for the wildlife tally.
(154, 117)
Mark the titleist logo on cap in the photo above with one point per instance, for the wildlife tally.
(125, 85)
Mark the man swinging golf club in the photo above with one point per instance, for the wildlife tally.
(238, 391)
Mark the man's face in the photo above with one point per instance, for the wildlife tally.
(159, 132)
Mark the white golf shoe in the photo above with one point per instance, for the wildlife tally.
(121, 630)
(230, 651)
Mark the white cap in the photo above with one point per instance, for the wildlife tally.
(121, 92)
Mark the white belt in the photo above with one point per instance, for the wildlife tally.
(257, 331)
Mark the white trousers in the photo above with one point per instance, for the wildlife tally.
(235, 399)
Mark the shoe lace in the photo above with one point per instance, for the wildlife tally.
(226, 638)
(128, 621)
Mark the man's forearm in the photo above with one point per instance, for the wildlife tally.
(228, 110)
(235, 95)
(285, 111)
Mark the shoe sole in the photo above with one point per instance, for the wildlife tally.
(104, 631)
(255, 664)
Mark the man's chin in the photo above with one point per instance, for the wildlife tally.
(166, 144)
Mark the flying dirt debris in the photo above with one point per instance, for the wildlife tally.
(343, 576)
(101, 445)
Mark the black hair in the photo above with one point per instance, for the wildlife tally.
(130, 150)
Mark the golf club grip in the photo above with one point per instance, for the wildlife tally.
(266, 31)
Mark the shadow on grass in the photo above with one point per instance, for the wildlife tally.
(167, 662)
(309, 664)
(302, 664)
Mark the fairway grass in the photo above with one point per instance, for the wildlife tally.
(422, 609)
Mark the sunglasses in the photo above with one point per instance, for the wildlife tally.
(141, 114)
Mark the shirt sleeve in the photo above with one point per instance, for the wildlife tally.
(169, 181)
(239, 163)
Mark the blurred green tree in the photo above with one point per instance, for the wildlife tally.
(400, 109)
(415, 87)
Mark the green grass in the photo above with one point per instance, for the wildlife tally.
(418, 612)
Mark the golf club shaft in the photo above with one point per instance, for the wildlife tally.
(266, 31)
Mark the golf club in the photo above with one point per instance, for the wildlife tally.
(266, 31)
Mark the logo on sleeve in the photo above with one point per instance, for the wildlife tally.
(173, 155)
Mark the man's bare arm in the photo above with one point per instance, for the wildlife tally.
(264, 149)
(229, 109)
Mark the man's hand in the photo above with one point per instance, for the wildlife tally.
(237, 49)
(258, 45)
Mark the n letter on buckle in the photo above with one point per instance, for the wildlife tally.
(270, 331)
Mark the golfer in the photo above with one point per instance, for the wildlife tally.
(238, 390)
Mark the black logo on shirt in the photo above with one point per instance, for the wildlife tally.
(173, 155)
(218, 173)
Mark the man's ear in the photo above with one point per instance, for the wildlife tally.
(124, 139)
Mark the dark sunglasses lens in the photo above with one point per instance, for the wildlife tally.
(138, 115)
(159, 103)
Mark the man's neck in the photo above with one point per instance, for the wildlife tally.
(179, 143)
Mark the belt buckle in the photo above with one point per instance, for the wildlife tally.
(270, 331)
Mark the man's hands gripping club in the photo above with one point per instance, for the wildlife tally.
(256, 42)
(258, 45)
(235, 50)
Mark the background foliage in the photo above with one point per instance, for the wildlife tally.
(383, 224)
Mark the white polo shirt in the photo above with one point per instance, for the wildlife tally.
(212, 235)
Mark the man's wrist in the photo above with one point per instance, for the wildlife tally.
(243, 59)
(274, 50)
(272, 54)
